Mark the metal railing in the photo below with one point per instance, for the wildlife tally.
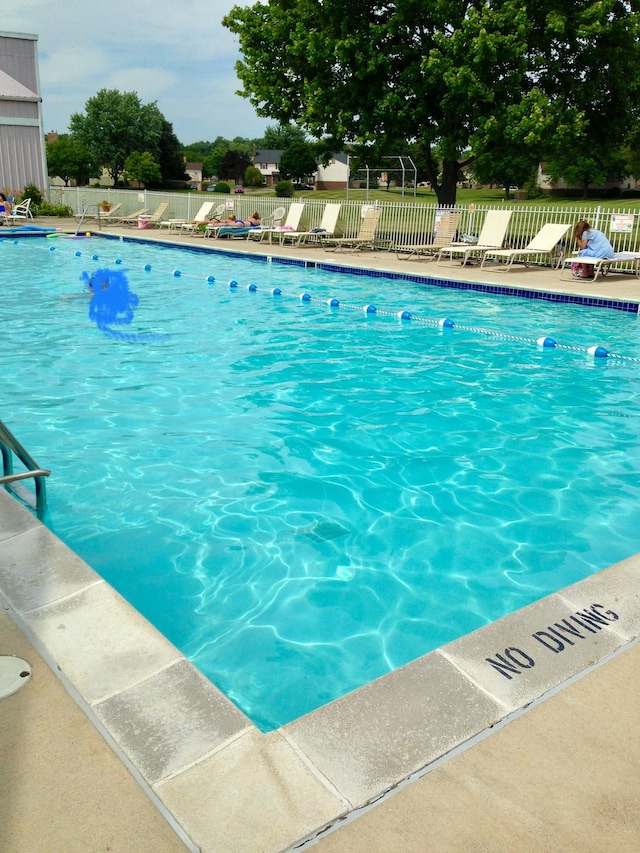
(10, 446)
(401, 222)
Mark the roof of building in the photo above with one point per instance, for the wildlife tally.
(268, 155)
(11, 90)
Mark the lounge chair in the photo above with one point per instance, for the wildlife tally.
(545, 243)
(629, 260)
(19, 211)
(326, 229)
(220, 229)
(201, 217)
(101, 215)
(446, 230)
(132, 218)
(492, 236)
(364, 239)
(294, 215)
(158, 213)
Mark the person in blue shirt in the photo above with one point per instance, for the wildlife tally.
(592, 244)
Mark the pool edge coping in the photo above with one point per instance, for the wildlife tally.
(344, 755)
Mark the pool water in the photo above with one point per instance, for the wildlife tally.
(303, 498)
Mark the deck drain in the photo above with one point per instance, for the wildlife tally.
(14, 674)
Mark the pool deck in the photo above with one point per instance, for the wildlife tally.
(521, 736)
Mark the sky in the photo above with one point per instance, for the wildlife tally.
(177, 54)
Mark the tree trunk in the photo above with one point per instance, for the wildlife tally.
(446, 190)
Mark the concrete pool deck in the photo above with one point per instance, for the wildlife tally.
(116, 742)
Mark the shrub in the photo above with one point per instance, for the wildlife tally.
(46, 209)
(284, 189)
(31, 191)
(222, 187)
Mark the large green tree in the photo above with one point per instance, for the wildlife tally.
(67, 158)
(298, 161)
(427, 72)
(114, 125)
(169, 156)
(436, 72)
(281, 136)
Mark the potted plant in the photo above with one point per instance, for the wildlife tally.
(105, 206)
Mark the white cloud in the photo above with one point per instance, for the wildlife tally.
(177, 54)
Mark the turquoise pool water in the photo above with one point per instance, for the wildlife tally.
(301, 497)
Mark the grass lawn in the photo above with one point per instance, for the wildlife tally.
(464, 197)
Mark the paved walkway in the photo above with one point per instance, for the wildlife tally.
(562, 775)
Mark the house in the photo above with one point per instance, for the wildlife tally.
(22, 151)
(335, 175)
(194, 170)
(267, 161)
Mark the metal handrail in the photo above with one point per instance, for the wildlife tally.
(9, 444)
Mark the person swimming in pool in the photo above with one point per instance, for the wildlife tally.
(592, 244)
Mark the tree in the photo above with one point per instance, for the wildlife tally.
(588, 57)
(252, 177)
(435, 73)
(114, 125)
(233, 165)
(170, 157)
(141, 167)
(298, 161)
(425, 71)
(68, 159)
(281, 136)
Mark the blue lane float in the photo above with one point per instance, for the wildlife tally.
(547, 342)
(404, 315)
(598, 352)
(370, 309)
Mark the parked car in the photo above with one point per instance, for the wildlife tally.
(211, 188)
(239, 190)
(302, 187)
(193, 186)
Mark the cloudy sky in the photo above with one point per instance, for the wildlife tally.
(175, 53)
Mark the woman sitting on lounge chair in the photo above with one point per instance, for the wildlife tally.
(5, 206)
(593, 244)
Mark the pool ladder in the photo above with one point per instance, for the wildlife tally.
(9, 445)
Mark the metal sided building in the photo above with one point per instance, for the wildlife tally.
(22, 149)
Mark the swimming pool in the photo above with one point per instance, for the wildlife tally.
(304, 497)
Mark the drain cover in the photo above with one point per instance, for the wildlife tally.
(14, 674)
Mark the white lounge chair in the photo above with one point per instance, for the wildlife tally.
(201, 217)
(19, 211)
(325, 230)
(132, 218)
(492, 236)
(364, 239)
(101, 215)
(602, 266)
(544, 244)
(446, 230)
(294, 215)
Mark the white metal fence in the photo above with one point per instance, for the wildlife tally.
(401, 222)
